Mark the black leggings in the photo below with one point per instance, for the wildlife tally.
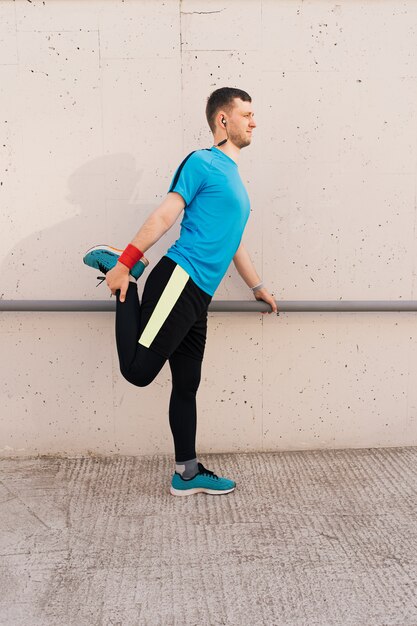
(140, 365)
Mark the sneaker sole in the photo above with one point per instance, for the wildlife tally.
(189, 492)
(105, 247)
(117, 251)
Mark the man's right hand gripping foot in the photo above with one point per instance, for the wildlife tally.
(117, 266)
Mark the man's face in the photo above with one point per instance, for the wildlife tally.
(240, 123)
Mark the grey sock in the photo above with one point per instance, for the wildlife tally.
(187, 469)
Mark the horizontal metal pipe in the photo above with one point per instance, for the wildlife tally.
(253, 306)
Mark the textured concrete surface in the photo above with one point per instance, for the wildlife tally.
(318, 537)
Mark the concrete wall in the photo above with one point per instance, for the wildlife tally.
(100, 101)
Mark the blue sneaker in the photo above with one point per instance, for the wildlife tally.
(203, 482)
(104, 258)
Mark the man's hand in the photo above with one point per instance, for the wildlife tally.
(263, 294)
(118, 278)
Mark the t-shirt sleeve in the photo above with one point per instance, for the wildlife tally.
(190, 177)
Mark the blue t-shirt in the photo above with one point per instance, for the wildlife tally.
(216, 210)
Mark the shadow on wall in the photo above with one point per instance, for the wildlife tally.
(48, 264)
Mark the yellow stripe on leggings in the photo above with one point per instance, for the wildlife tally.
(164, 306)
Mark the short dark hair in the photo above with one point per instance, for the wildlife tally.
(223, 99)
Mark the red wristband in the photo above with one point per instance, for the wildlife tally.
(130, 256)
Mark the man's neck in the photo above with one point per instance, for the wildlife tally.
(228, 148)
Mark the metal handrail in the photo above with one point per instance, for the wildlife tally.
(284, 306)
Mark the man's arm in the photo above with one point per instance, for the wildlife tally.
(156, 225)
(247, 271)
(245, 267)
(159, 221)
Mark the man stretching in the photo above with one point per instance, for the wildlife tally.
(171, 321)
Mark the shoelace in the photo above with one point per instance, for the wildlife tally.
(208, 472)
(103, 269)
